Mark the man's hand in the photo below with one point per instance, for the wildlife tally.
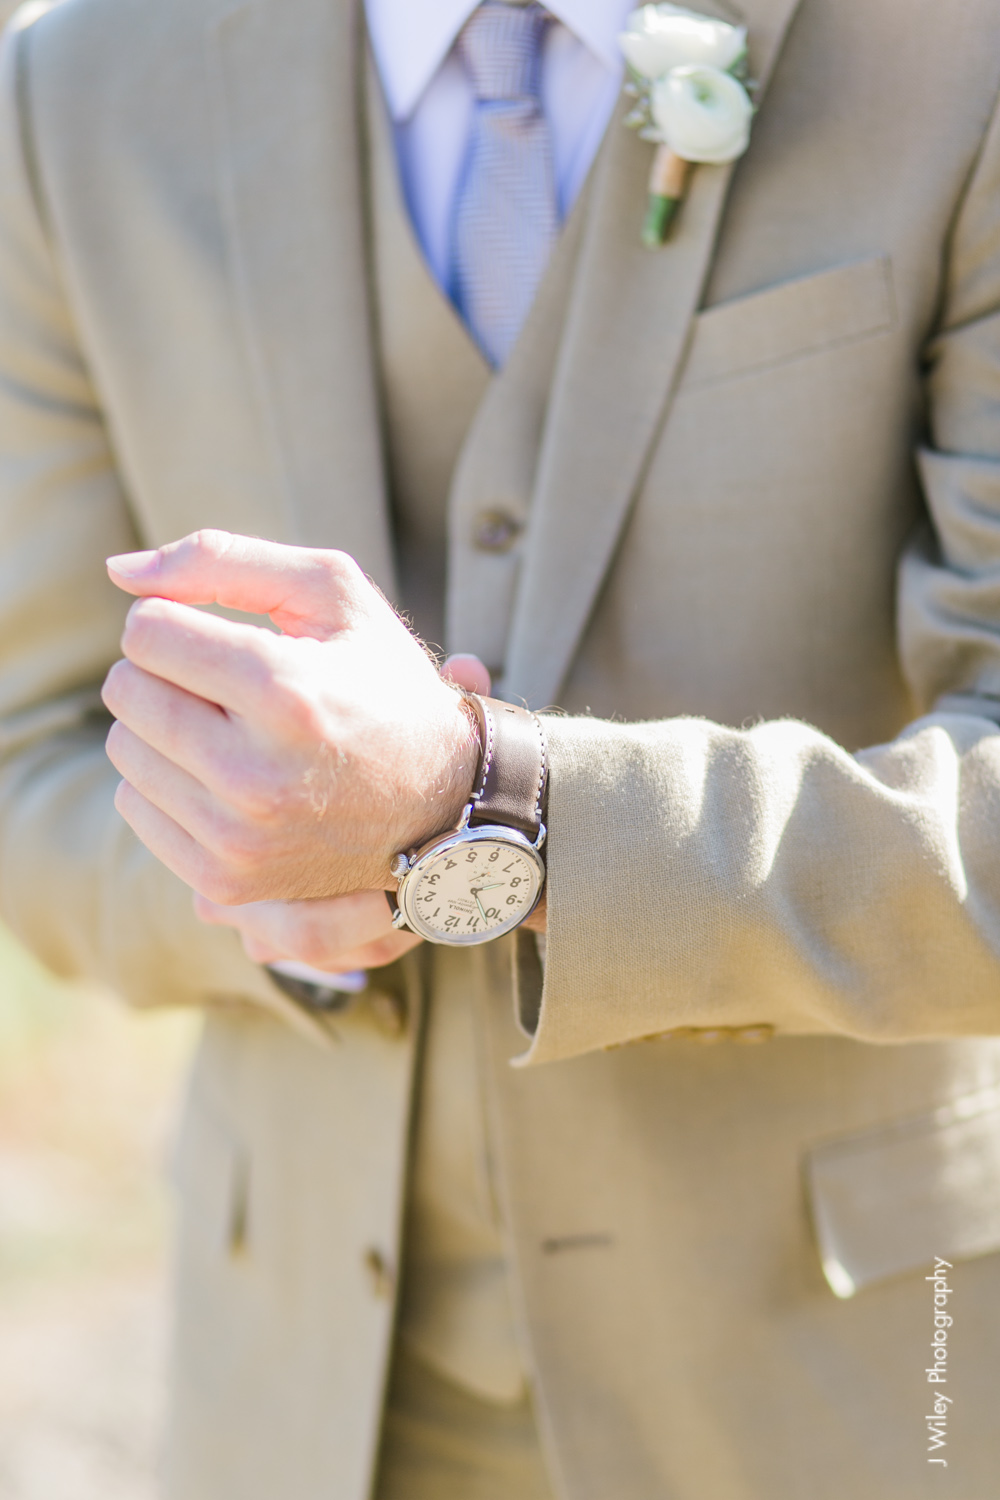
(335, 935)
(259, 766)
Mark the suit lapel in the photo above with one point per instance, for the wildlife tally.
(625, 335)
(288, 116)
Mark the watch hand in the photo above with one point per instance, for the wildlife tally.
(493, 886)
(480, 905)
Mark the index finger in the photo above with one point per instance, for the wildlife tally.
(305, 590)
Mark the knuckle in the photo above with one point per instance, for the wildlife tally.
(208, 544)
(143, 624)
(123, 798)
(295, 708)
(341, 566)
(350, 585)
(251, 791)
(306, 721)
(221, 885)
(115, 744)
(114, 688)
(241, 850)
(231, 842)
(267, 670)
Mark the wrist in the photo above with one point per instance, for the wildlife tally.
(450, 778)
(483, 876)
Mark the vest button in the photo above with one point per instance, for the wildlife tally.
(381, 1276)
(495, 531)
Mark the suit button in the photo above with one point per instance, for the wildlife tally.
(751, 1035)
(381, 1276)
(495, 531)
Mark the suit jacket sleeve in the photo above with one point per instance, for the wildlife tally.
(701, 876)
(75, 884)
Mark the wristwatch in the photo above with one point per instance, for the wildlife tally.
(484, 877)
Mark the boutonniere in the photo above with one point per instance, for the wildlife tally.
(687, 76)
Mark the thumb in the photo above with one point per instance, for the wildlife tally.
(305, 591)
(467, 671)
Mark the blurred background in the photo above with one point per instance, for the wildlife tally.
(89, 1093)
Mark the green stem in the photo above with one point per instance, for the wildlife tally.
(660, 215)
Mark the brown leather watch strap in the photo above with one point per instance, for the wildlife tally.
(513, 772)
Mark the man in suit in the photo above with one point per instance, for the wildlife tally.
(672, 500)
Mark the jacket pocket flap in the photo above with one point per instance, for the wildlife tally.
(890, 1200)
(786, 321)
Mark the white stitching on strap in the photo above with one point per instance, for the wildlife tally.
(544, 767)
(488, 747)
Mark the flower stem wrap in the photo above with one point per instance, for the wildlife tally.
(668, 179)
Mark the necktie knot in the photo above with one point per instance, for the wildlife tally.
(500, 46)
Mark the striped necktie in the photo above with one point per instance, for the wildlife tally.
(505, 215)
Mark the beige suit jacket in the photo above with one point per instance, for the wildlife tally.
(712, 451)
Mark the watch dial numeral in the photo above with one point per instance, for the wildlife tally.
(450, 900)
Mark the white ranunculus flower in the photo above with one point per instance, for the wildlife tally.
(703, 113)
(662, 37)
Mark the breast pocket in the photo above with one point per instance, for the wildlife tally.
(807, 316)
(892, 1200)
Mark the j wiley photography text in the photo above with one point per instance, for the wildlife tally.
(937, 1373)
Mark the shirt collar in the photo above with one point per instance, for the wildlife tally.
(412, 38)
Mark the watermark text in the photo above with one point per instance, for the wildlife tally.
(937, 1371)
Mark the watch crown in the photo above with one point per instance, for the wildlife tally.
(399, 866)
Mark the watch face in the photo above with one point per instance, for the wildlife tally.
(471, 889)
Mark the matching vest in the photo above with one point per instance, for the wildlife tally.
(455, 1312)
(462, 447)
